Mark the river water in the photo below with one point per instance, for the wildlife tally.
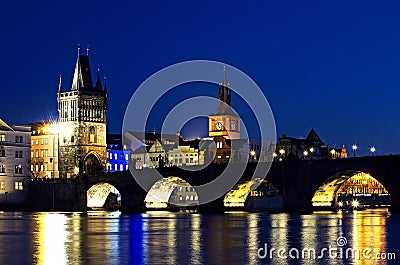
(190, 238)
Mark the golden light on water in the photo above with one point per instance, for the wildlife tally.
(52, 237)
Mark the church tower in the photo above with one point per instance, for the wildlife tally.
(224, 122)
(82, 121)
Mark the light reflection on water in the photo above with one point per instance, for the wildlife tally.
(182, 238)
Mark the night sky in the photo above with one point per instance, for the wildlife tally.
(331, 65)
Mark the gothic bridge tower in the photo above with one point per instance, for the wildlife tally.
(82, 122)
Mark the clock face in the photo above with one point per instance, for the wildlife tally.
(233, 125)
(218, 126)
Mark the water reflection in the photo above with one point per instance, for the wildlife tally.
(182, 238)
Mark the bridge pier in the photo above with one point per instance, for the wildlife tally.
(296, 187)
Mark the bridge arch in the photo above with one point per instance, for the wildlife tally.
(257, 194)
(103, 195)
(171, 192)
(350, 184)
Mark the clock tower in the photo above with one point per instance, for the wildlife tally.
(224, 122)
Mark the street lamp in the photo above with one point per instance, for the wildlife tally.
(53, 129)
(305, 153)
(354, 147)
(372, 149)
(312, 150)
(252, 154)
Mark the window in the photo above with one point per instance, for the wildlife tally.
(42, 141)
(19, 185)
(219, 144)
(2, 137)
(18, 169)
(92, 134)
(46, 153)
(2, 185)
(126, 167)
(121, 167)
(65, 140)
(46, 141)
(2, 153)
(37, 141)
(72, 139)
(116, 167)
(32, 142)
(31, 154)
(37, 153)
(115, 156)
(18, 154)
(42, 153)
(2, 168)
(19, 139)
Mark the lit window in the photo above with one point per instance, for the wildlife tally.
(219, 144)
(116, 167)
(32, 142)
(126, 167)
(2, 185)
(31, 153)
(46, 153)
(126, 157)
(115, 156)
(2, 137)
(121, 167)
(37, 141)
(42, 141)
(19, 185)
(46, 141)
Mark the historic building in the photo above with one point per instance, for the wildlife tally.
(117, 154)
(224, 122)
(14, 162)
(82, 121)
(311, 147)
(44, 150)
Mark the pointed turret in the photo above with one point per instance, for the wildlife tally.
(60, 84)
(98, 81)
(82, 79)
(105, 84)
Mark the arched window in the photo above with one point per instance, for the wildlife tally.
(92, 135)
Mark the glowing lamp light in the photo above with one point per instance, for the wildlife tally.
(282, 151)
(372, 149)
(53, 128)
(340, 204)
(274, 154)
(333, 151)
(312, 149)
(305, 153)
(354, 147)
(252, 153)
(355, 204)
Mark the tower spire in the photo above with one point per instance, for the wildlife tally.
(87, 50)
(79, 49)
(224, 82)
(60, 84)
(98, 81)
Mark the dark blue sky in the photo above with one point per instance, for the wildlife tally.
(331, 65)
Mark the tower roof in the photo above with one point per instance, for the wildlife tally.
(224, 97)
(82, 79)
(4, 126)
(313, 136)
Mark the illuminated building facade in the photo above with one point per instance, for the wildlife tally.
(44, 150)
(185, 155)
(82, 121)
(14, 162)
(117, 156)
(224, 122)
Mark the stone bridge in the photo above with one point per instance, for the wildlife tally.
(298, 180)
